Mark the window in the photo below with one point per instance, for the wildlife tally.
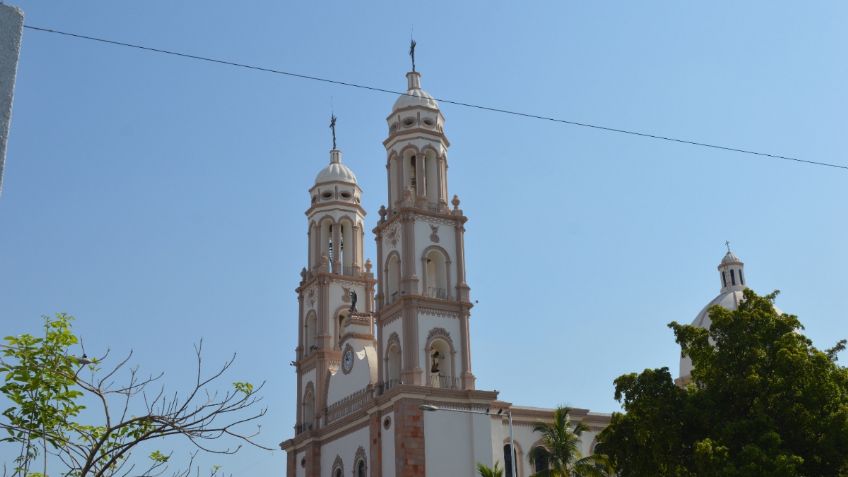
(741, 280)
(337, 473)
(508, 456)
(724, 279)
(540, 463)
(360, 469)
(733, 277)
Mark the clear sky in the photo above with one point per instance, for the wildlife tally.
(161, 200)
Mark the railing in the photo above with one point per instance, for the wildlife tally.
(437, 207)
(434, 292)
(389, 384)
(302, 428)
(348, 405)
(444, 382)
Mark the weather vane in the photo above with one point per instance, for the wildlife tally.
(333, 128)
(412, 53)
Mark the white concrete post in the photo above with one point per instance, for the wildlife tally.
(11, 28)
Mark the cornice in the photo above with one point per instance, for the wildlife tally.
(413, 213)
(334, 205)
(416, 133)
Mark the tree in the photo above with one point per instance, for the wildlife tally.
(560, 448)
(45, 383)
(762, 401)
(486, 471)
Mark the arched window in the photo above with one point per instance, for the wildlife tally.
(337, 473)
(346, 252)
(540, 463)
(393, 364)
(741, 279)
(309, 333)
(724, 279)
(308, 416)
(732, 277)
(392, 278)
(508, 457)
(436, 274)
(338, 468)
(431, 164)
(343, 314)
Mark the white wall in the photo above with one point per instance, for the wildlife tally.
(299, 471)
(454, 443)
(363, 373)
(11, 26)
(345, 447)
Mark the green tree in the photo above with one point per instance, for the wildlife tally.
(560, 448)
(486, 471)
(46, 385)
(762, 401)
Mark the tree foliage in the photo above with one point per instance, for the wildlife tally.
(560, 448)
(49, 387)
(762, 401)
(486, 471)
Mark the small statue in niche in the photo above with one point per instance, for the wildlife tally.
(434, 368)
(345, 295)
(353, 299)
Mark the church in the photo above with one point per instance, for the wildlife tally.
(385, 385)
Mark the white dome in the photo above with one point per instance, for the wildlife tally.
(415, 96)
(335, 171)
(730, 257)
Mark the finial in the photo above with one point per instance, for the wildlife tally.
(333, 128)
(412, 52)
(727, 243)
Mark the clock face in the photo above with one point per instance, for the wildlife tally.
(347, 360)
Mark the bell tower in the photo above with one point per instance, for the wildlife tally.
(335, 283)
(422, 298)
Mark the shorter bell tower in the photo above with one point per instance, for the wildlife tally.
(335, 283)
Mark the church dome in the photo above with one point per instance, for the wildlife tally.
(335, 171)
(729, 258)
(415, 96)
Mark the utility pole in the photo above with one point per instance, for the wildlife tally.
(11, 28)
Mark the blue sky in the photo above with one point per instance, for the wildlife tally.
(161, 200)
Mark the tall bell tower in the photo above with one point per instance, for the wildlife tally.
(422, 299)
(334, 279)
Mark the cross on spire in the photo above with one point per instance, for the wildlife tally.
(412, 52)
(727, 243)
(333, 128)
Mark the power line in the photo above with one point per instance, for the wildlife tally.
(442, 100)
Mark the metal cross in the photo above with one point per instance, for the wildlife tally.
(412, 52)
(333, 128)
(727, 242)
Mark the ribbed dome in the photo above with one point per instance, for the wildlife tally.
(415, 96)
(335, 171)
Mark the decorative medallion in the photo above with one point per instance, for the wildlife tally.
(387, 422)
(434, 233)
(347, 359)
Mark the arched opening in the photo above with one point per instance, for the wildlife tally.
(431, 164)
(393, 185)
(540, 460)
(340, 317)
(325, 241)
(440, 364)
(436, 274)
(346, 252)
(392, 278)
(310, 332)
(508, 459)
(360, 468)
(308, 416)
(393, 365)
(411, 173)
(337, 473)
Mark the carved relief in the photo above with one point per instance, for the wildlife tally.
(392, 235)
(434, 220)
(439, 332)
(311, 296)
(434, 233)
(438, 313)
(345, 295)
